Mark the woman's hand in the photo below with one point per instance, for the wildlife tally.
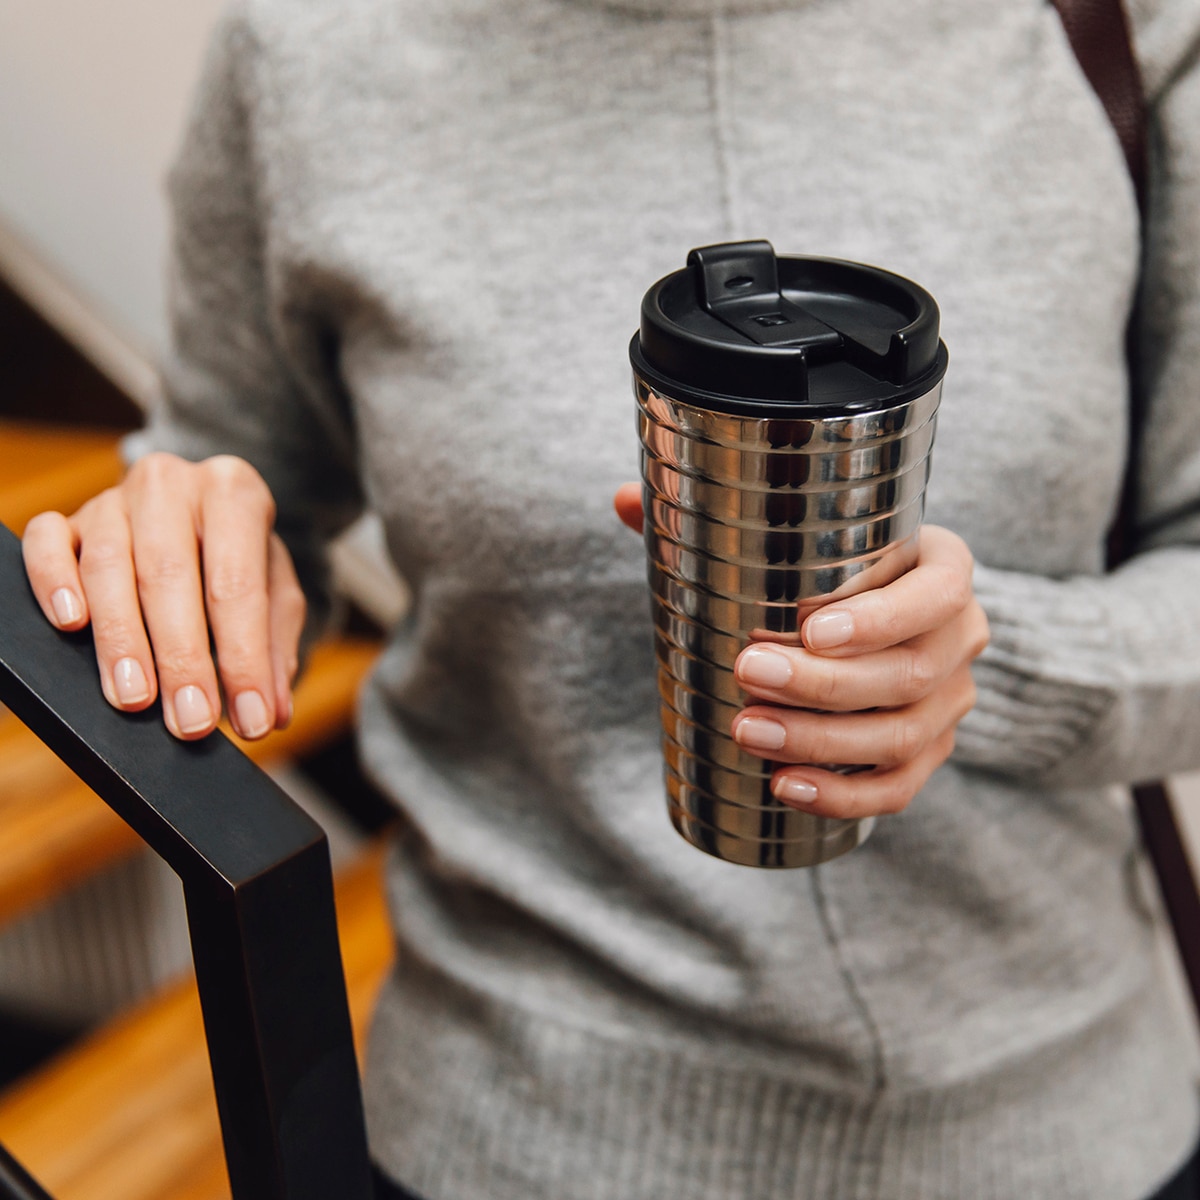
(174, 550)
(902, 651)
(882, 680)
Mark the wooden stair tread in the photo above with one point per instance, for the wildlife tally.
(44, 466)
(55, 832)
(129, 1114)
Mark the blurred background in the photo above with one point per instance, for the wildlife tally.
(104, 1085)
(92, 98)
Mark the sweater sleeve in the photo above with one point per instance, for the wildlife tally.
(245, 374)
(1095, 680)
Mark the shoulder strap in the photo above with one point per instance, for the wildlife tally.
(1100, 36)
(1099, 33)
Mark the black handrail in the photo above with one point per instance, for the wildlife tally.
(259, 892)
(16, 1183)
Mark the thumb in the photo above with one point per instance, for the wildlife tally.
(628, 503)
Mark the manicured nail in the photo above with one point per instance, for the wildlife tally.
(764, 668)
(794, 791)
(192, 710)
(67, 609)
(129, 681)
(250, 715)
(758, 733)
(828, 629)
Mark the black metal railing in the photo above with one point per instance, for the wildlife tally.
(259, 893)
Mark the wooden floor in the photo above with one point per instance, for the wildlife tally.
(49, 466)
(129, 1114)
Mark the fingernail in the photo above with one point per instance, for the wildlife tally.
(794, 791)
(192, 710)
(250, 715)
(764, 668)
(828, 629)
(129, 681)
(67, 609)
(759, 733)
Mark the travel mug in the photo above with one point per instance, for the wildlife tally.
(786, 410)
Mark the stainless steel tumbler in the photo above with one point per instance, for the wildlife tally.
(786, 409)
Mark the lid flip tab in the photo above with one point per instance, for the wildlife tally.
(738, 282)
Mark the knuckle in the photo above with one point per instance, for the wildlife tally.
(45, 526)
(814, 741)
(888, 618)
(157, 469)
(183, 663)
(236, 476)
(960, 545)
(227, 584)
(104, 510)
(956, 590)
(956, 544)
(100, 555)
(824, 687)
(117, 632)
(240, 665)
(226, 468)
(908, 739)
(919, 676)
(165, 572)
(100, 508)
(896, 795)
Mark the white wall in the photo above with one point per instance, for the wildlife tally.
(92, 97)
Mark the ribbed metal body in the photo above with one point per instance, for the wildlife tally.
(751, 524)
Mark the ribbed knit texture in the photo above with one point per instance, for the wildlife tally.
(411, 243)
(576, 1116)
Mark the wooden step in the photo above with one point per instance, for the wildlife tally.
(52, 467)
(129, 1114)
(55, 832)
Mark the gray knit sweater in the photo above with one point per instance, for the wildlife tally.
(411, 242)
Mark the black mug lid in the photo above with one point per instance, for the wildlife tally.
(741, 330)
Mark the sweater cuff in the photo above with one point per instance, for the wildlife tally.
(1036, 707)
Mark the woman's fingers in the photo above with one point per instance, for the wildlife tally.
(50, 549)
(892, 677)
(235, 519)
(863, 793)
(166, 554)
(882, 681)
(175, 550)
(109, 582)
(883, 738)
(287, 613)
(921, 600)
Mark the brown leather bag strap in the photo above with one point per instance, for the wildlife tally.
(1099, 33)
(1100, 36)
(1176, 881)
